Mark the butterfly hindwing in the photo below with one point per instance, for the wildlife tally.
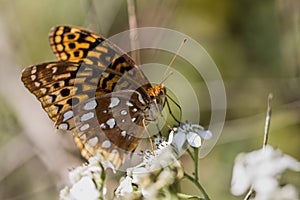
(108, 123)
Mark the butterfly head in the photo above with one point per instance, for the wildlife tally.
(157, 95)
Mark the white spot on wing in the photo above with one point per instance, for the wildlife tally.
(134, 110)
(37, 84)
(130, 137)
(84, 127)
(105, 74)
(103, 126)
(123, 133)
(106, 144)
(54, 69)
(33, 71)
(33, 77)
(133, 119)
(114, 153)
(128, 103)
(83, 137)
(93, 141)
(43, 90)
(49, 99)
(124, 112)
(114, 101)
(111, 122)
(87, 116)
(68, 115)
(63, 126)
(90, 105)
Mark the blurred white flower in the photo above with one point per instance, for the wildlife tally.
(189, 134)
(287, 192)
(65, 194)
(260, 170)
(162, 156)
(158, 171)
(86, 182)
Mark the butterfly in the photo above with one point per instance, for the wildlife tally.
(95, 91)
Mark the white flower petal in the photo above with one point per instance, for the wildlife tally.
(76, 174)
(179, 140)
(108, 165)
(125, 187)
(289, 162)
(287, 192)
(85, 189)
(196, 127)
(95, 160)
(205, 134)
(265, 185)
(194, 139)
(171, 136)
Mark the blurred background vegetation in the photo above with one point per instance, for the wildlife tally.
(255, 44)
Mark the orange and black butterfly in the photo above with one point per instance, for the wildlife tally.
(96, 91)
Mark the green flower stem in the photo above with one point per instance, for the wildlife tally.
(195, 158)
(198, 185)
(190, 154)
(102, 183)
(196, 162)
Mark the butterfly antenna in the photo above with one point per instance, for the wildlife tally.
(174, 57)
(166, 77)
(170, 110)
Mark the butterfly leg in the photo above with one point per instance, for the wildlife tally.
(149, 136)
(170, 111)
(158, 129)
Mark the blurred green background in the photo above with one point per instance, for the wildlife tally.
(255, 44)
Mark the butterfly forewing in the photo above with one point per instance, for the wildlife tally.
(72, 43)
(52, 84)
(77, 44)
(95, 90)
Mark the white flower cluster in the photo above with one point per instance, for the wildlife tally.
(153, 178)
(261, 169)
(86, 182)
(189, 134)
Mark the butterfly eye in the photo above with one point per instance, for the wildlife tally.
(158, 100)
